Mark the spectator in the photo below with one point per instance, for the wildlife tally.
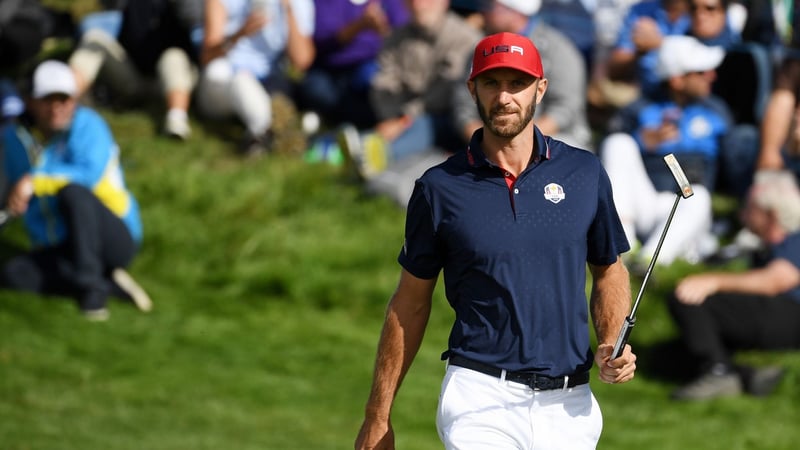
(710, 23)
(759, 25)
(107, 17)
(634, 57)
(573, 18)
(780, 127)
(689, 123)
(562, 112)
(82, 221)
(348, 36)
(745, 76)
(154, 42)
(248, 49)
(24, 25)
(604, 95)
(411, 93)
(718, 313)
(471, 11)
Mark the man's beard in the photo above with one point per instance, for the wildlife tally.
(505, 131)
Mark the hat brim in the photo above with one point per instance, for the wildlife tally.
(503, 65)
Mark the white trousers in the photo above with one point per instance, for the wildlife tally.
(224, 92)
(644, 211)
(481, 412)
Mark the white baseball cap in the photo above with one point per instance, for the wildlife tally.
(679, 55)
(527, 7)
(53, 77)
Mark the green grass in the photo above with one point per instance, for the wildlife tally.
(270, 280)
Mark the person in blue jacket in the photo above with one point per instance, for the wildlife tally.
(67, 185)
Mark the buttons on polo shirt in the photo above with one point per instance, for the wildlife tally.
(516, 190)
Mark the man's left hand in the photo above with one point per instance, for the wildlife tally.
(618, 370)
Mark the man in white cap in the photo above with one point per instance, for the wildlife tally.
(690, 123)
(67, 183)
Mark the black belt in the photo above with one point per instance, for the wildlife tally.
(532, 380)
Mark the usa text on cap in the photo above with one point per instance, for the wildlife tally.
(506, 50)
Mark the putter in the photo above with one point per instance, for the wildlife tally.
(684, 192)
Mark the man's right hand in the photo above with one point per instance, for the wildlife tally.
(375, 435)
(20, 196)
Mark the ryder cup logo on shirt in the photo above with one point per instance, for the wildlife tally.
(554, 192)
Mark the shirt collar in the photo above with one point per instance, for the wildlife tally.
(477, 158)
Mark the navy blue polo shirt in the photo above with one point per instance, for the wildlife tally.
(514, 253)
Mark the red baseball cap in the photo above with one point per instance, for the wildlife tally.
(506, 50)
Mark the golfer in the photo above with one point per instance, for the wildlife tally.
(512, 221)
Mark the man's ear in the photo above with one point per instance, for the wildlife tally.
(541, 88)
(471, 87)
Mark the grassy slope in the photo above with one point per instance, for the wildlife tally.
(270, 280)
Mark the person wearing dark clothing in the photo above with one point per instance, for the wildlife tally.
(718, 313)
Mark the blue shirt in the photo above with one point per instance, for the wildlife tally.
(646, 64)
(701, 125)
(514, 256)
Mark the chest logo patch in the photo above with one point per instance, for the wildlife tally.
(554, 192)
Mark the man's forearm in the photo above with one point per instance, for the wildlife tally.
(610, 301)
(400, 340)
(775, 129)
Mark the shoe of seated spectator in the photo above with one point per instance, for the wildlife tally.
(376, 157)
(761, 381)
(350, 144)
(93, 305)
(127, 288)
(176, 125)
(715, 383)
(256, 146)
(325, 148)
(96, 315)
(366, 153)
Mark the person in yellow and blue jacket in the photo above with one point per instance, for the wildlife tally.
(66, 182)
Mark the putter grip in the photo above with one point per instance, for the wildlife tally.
(624, 334)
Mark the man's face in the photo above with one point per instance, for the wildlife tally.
(54, 112)
(708, 18)
(698, 84)
(506, 100)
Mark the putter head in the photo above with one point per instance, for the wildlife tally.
(680, 177)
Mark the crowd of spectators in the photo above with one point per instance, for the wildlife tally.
(380, 87)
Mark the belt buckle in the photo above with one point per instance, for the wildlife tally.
(545, 383)
(539, 383)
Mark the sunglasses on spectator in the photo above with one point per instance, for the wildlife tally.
(694, 7)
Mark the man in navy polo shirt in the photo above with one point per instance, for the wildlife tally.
(512, 221)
